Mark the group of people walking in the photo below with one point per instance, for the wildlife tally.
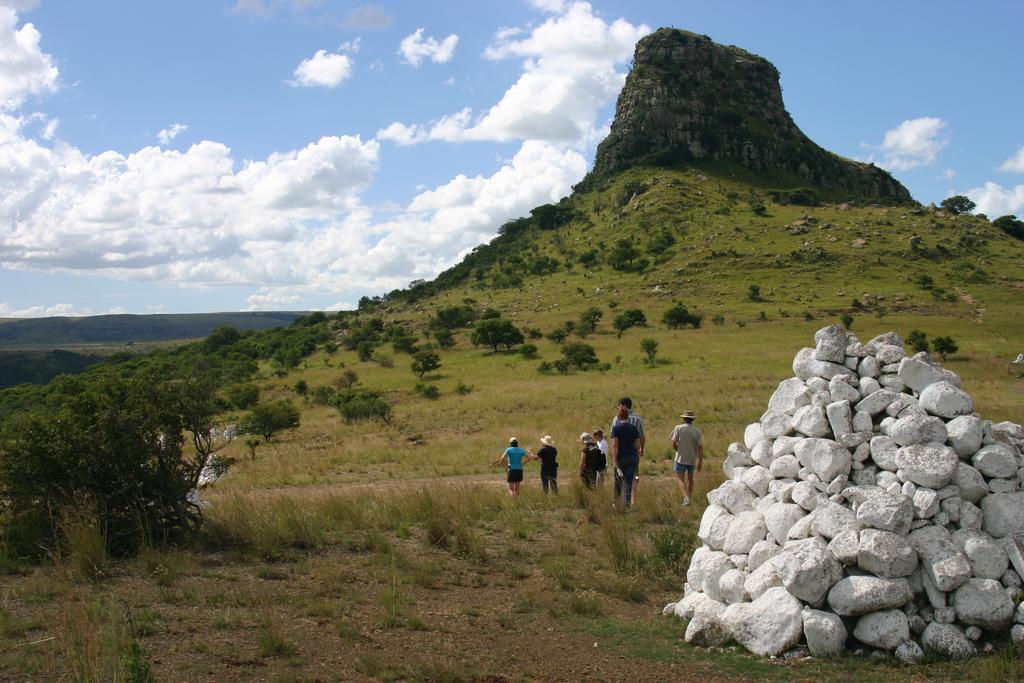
(623, 455)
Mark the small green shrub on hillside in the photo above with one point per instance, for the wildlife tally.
(918, 341)
(631, 317)
(558, 335)
(430, 391)
(322, 396)
(266, 419)
(1011, 226)
(847, 320)
(463, 389)
(453, 317)
(579, 355)
(243, 396)
(679, 316)
(301, 387)
(626, 257)
(445, 339)
(424, 362)
(528, 351)
(754, 293)
(362, 405)
(588, 321)
(364, 351)
(944, 346)
(650, 349)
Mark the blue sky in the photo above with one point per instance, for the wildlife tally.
(207, 155)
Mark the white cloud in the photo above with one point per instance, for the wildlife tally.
(25, 70)
(324, 70)
(551, 6)
(63, 310)
(270, 300)
(351, 46)
(994, 200)
(256, 7)
(1014, 164)
(173, 131)
(913, 143)
(948, 174)
(414, 48)
(568, 75)
(368, 17)
(401, 134)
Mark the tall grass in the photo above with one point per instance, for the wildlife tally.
(83, 542)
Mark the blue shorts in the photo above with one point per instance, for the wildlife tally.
(680, 468)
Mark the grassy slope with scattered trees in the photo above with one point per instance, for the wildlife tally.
(756, 277)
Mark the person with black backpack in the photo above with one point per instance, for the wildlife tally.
(592, 461)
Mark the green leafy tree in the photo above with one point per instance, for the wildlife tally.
(362, 405)
(588, 321)
(266, 419)
(1011, 226)
(301, 388)
(632, 317)
(445, 338)
(624, 255)
(243, 396)
(221, 338)
(918, 341)
(958, 204)
(679, 316)
(754, 293)
(579, 355)
(847, 321)
(944, 346)
(650, 347)
(495, 332)
(365, 350)
(424, 362)
(528, 351)
(453, 317)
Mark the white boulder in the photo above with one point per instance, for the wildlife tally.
(858, 595)
(768, 626)
(927, 464)
(964, 434)
(947, 640)
(1003, 513)
(884, 630)
(983, 603)
(946, 400)
(807, 569)
(825, 633)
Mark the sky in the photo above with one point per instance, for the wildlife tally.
(174, 156)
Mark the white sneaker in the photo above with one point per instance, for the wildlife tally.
(686, 501)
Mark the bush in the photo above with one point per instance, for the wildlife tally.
(445, 338)
(528, 351)
(323, 396)
(588, 321)
(117, 446)
(579, 355)
(462, 389)
(425, 361)
(944, 346)
(924, 281)
(918, 341)
(632, 317)
(362, 405)
(243, 396)
(679, 316)
(847, 320)
(754, 293)
(365, 351)
(495, 332)
(266, 419)
(347, 380)
(301, 388)
(1011, 226)
(430, 391)
(650, 348)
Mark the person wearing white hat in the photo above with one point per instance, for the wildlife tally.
(547, 455)
(592, 460)
(688, 443)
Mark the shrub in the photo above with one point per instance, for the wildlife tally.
(365, 350)
(579, 355)
(1011, 226)
(301, 388)
(679, 316)
(495, 332)
(347, 379)
(650, 348)
(847, 321)
(463, 389)
(528, 351)
(266, 419)
(718, 319)
(625, 256)
(430, 391)
(924, 281)
(243, 396)
(557, 335)
(445, 338)
(322, 396)
(918, 340)
(453, 317)
(944, 346)
(754, 293)
(632, 317)
(362, 405)
(425, 361)
(588, 321)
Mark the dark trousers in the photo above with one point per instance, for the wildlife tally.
(624, 484)
(551, 480)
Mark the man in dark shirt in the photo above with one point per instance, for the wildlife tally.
(625, 453)
(548, 464)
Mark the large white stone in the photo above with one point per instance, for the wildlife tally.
(805, 366)
(791, 395)
(964, 434)
(987, 557)
(684, 608)
(883, 452)
(824, 457)
(768, 626)
(737, 455)
(830, 344)
(752, 434)
(887, 512)
(730, 586)
(842, 388)
(761, 553)
(884, 630)
(706, 627)
(785, 467)
(763, 453)
(942, 562)
(869, 367)
(887, 354)
(947, 640)
(734, 496)
(927, 464)
(983, 603)
(775, 424)
(857, 595)
(825, 633)
(784, 445)
(1003, 513)
(761, 579)
(746, 529)
(945, 400)
(916, 428)
(885, 554)
(713, 566)
(995, 460)
(876, 402)
(845, 546)
(970, 482)
(832, 519)
(714, 526)
(920, 371)
(840, 418)
(807, 569)
(926, 503)
(756, 479)
(780, 517)
(811, 421)
(805, 495)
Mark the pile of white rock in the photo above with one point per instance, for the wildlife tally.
(869, 509)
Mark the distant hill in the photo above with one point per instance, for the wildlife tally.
(100, 330)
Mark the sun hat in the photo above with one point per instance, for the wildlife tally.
(513, 440)
(547, 441)
(585, 437)
(689, 413)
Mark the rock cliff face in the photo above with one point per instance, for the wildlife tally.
(688, 98)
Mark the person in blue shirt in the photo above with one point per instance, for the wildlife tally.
(513, 458)
(626, 445)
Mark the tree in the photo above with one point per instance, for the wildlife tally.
(1011, 226)
(579, 355)
(453, 317)
(632, 317)
(958, 204)
(918, 340)
(495, 332)
(847, 321)
(678, 316)
(221, 338)
(624, 255)
(266, 419)
(243, 396)
(445, 338)
(425, 361)
(650, 348)
(301, 388)
(588, 321)
(944, 346)
(754, 293)
(364, 350)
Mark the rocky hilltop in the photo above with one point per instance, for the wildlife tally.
(689, 99)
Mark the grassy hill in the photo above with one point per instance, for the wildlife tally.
(374, 550)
